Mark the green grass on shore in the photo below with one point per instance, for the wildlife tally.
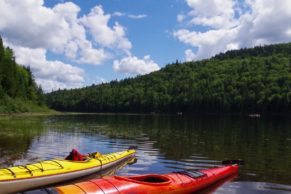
(9, 105)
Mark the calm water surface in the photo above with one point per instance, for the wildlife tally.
(165, 144)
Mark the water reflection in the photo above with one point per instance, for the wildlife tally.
(253, 188)
(165, 143)
(16, 135)
(102, 173)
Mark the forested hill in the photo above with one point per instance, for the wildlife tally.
(256, 80)
(18, 90)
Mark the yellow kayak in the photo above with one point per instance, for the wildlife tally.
(46, 172)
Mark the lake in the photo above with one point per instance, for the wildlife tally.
(165, 143)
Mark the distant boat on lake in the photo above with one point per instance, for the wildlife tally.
(256, 115)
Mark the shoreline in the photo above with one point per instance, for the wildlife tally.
(244, 115)
(53, 112)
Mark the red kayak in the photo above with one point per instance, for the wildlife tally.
(176, 182)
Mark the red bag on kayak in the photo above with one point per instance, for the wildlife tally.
(75, 156)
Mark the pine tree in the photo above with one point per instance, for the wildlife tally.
(1, 66)
(1, 49)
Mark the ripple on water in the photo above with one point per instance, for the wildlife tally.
(253, 188)
(263, 146)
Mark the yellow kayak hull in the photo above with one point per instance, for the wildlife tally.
(47, 172)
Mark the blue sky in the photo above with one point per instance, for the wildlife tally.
(71, 44)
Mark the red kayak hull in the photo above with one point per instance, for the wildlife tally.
(176, 182)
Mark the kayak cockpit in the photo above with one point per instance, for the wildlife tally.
(147, 179)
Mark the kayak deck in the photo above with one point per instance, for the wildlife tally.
(176, 182)
(20, 178)
(58, 166)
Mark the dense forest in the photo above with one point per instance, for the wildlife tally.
(18, 90)
(255, 80)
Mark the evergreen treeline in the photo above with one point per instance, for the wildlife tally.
(18, 90)
(247, 80)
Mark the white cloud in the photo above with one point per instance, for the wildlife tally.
(257, 22)
(103, 34)
(209, 43)
(71, 50)
(31, 25)
(214, 13)
(189, 55)
(118, 14)
(180, 17)
(90, 55)
(134, 65)
(140, 16)
(132, 16)
(51, 75)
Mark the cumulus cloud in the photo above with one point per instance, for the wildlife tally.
(51, 75)
(208, 43)
(31, 25)
(214, 13)
(189, 55)
(133, 65)
(59, 29)
(233, 25)
(97, 23)
(90, 55)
